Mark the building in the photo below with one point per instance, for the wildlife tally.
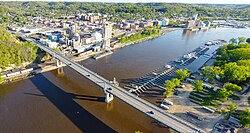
(164, 22)
(207, 23)
(146, 24)
(190, 24)
(74, 28)
(97, 36)
(134, 27)
(92, 19)
(195, 16)
(107, 34)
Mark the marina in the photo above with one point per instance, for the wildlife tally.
(193, 61)
(156, 78)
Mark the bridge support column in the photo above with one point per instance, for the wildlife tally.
(60, 71)
(58, 63)
(109, 97)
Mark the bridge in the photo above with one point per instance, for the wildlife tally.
(112, 89)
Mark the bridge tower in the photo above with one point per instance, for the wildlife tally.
(109, 97)
(107, 35)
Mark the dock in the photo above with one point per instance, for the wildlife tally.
(102, 55)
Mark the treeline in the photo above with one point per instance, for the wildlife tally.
(12, 51)
(140, 35)
(232, 62)
(118, 10)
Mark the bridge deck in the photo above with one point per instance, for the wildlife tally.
(142, 105)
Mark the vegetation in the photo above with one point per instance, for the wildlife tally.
(140, 35)
(245, 118)
(241, 40)
(170, 85)
(211, 71)
(228, 90)
(13, 51)
(248, 40)
(198, 85)
(231, 109)
(138, 132)
(16, 12)
(1, 79)
(182, 74)
(234, 61)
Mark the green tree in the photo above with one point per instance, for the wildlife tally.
(211, 71)
(235, 73)
(168, 93)
(169, 86)
(248, 40)
(241, 40)
(245, 63)
(198, 85)
(231, 109)
(223, 93)
(176, 81)
(182, 74)
(245, 118)
(233, 40)
(232, 87)
(1, 79)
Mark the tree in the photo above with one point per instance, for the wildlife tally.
(245, 118)
(182, 74)
(241, 39)
(232, 87)
(231, 109)
(198, 85)
(244, 63)
(233, 40)
(223, 93)
(169, 86)
(168, 93)
(1, 79)
(211, 71)
(248, 40)
(235, 73)
(176, 81)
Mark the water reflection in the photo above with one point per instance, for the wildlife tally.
(64, 101)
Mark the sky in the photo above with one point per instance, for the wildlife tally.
(165, 1)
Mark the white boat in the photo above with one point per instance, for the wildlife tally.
(189, 56)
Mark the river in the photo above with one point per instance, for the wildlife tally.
(63, 101)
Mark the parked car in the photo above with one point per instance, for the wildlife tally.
(164, 106)
(168, 102)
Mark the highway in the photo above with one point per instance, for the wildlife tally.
(144, 106)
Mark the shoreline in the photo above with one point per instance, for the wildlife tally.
(51, 65)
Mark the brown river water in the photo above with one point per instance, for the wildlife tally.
(64, 101)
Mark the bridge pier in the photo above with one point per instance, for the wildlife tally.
(108, 97)
(58, 63)
(60, 71)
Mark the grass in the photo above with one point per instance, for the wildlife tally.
(205, 98)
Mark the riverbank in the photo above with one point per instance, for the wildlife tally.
(50, 64)
(162, 32)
